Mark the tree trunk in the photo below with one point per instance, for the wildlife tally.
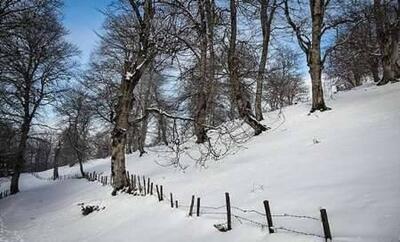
(130, 141)
(132, 75)
(201, 100)
(209, 8)
(242, 103)
(119, 134)
(142, 136)
(314, 58)
(266, 21)
(56, 155)
(20, 159)
(374, 69)
(394, 55)
(387, 36)
(162, 130)
(144, 123)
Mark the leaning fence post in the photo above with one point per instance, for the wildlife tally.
(269, 217)
(325, 224)
(191, 206)
(198, 207)
(228, 211)
(172, 199)
(158, 193)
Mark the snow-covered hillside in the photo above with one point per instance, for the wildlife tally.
(353, 172)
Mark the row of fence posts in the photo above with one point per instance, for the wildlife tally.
(4, 194)
(271, 228)
(93, 176)
(145, 187)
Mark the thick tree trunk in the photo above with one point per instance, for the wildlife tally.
(242, 103)
(314, 58)
(80, 159)
(374, 69)
(387, 63)
(119, 134)
(20, 159)
(14, 188)
(318, 102)
(388, 40)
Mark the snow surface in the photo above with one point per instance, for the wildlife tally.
(353, 171)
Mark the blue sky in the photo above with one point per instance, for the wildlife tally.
(82, 18)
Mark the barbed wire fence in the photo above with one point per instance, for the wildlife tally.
(140, 185)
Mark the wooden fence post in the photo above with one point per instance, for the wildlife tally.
(158, 193)
(151, 189)
(191, 206)
(172, 199)
(161, 193)
(228, 211)
(269, 217)
(139, 185)
(132, 185)
(325, 224)
(198, 207)
(144, 185)
(148, 185)
(176, 204)
(128, 178)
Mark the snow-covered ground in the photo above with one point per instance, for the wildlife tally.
(353, 172)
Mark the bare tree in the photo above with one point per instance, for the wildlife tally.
(387, 21)
(242, 103)
(34, 59)
(138, 32)
(267, 12)
(356, 60)
(284, 85)
(322, 21)
(78, 114)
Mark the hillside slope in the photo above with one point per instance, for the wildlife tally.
(353, 171)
